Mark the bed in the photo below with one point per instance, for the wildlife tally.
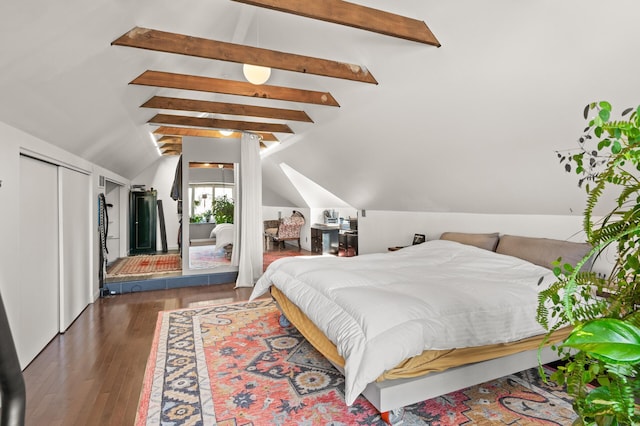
(419, 322)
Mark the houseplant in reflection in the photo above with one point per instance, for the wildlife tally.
(208, 216)
(602, 353)
(196, 218)
(223, 209)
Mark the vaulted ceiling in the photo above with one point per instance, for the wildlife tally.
(382, 121)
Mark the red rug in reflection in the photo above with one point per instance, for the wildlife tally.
(146, 264)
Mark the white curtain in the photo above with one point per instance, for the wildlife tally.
(235, 253)
(250, 244)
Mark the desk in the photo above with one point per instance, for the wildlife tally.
(324, 238)
(349, 243)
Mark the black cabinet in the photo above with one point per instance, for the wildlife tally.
(324, 239)
(142, 222)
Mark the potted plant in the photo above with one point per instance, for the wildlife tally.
(223, 209)
(196, 218)
(601, 367)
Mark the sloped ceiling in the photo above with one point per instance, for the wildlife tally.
(471, 126)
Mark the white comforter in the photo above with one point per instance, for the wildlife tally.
(380, 309)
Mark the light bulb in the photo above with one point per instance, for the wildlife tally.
(256, 74)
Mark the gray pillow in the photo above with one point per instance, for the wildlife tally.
(484, 241)
(543, 251)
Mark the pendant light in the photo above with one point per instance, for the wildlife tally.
(256, 74)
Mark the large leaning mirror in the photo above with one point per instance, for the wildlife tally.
(210, 209)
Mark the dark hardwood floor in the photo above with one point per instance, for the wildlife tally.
(92, 374)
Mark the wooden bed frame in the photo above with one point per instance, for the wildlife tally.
(391, 395)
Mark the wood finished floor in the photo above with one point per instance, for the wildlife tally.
(92, 374)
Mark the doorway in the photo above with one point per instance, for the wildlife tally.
(112, 194)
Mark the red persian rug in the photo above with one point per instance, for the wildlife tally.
(235, 365)
(146, 264)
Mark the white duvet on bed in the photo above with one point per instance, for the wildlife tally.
(379, 309)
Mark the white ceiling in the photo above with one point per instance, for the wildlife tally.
(468, 127)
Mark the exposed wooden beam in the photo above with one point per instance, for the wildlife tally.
(183, 120)
(203, 165)
(353, 15)
(170, 146)
(162, 102)
(161, 41)
(204, 133)
(232, 87)
(170, 139)
(172, 153)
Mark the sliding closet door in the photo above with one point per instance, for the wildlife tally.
(38, 250)
(75, 255)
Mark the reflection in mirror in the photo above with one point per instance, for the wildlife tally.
(210, 202)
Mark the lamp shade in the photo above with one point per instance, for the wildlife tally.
(256, 74)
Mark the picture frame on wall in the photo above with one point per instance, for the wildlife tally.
(419, 239)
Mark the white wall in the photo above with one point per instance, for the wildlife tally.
(378, 230)
(471, 126)
(468, 127)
